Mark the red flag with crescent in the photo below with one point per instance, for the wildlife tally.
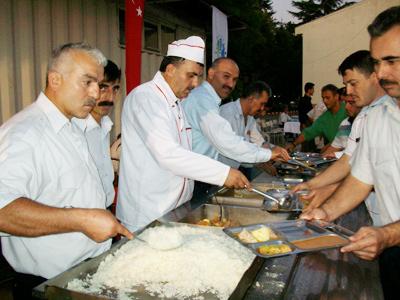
(133, 38)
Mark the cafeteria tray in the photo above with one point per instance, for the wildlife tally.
(298, 235)
(56, 288)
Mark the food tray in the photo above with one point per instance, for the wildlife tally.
(298, 235)
(56, 288)
(235, 215)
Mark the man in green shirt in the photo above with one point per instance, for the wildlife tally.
(328, 123)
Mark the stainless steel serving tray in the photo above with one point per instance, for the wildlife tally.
(296, 234)
(271, 206)
(237, 215)
(56, 288)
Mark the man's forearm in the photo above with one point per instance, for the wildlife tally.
(350, 194)
(392, 234)
(334, 174)
(24, 217)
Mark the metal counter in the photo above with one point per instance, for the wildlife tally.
(326, 274)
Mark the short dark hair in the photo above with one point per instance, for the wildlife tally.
(360, 60)
(384, 21)
(342, 91)
(256, 88)
(170, 60)
(111, 72)
(308, 86)
(330, 87)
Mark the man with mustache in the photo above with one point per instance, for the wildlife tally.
(97, 127)
(241, 115)
(157, 165)
(376, 162)
(212, 134)
(52, 202)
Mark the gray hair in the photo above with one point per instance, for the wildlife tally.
(60, 51)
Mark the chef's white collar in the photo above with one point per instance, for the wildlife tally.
(165, 89)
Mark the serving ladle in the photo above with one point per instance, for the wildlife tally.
(282, 203)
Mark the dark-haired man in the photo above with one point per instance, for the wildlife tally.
(305, 105)
(363, 87)
(157, 165)
(328, 123)
(240, 115)
(376, 163)
(97, 127)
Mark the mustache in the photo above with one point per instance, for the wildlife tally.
(105, 103)
(90, 102)
(383, 82)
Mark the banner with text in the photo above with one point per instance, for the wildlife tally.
(219, 34)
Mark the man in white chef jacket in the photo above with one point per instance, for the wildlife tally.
(157, 165)
(97, 127)
(52, 202)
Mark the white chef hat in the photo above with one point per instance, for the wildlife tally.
(191, 48)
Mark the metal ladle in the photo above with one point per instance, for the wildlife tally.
(281, 203)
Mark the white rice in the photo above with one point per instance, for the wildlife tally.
(205, 261)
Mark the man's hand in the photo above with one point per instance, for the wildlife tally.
(329, 155)
(315, 214)
(290, 147)
(278, 153)
(317, 197)
(301, 187)
(367, 243)
(237, 180)
(100, 225)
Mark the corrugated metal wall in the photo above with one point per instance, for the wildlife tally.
(29, 29)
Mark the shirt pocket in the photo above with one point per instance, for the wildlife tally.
(72, 178)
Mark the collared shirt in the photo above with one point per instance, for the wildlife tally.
(233, 113)
(98, 139)
(358, 125)
(342, 136)
(44, 157)
(157, 165)
(212, 134)
(376, 161)
(326, 125)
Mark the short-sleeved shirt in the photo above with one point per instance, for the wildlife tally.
(376, 161)
(98, 138)
(44, 157)
(326, 125)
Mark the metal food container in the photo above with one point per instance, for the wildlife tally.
(234, 215)
(297, 235)
(56, 288)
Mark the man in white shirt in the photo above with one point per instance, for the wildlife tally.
(97, 127)
(212, 134)
(52, 200)
(376, 163)
(240, 115)
(363, 87)
(157, 165)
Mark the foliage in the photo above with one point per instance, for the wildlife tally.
(309, 10)
(265, 50)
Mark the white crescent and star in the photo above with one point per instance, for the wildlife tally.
(138, 10)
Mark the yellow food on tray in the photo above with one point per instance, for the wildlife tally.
(274, 249)
(261, 234)
(216, 222)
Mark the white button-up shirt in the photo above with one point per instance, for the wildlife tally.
(233, 113)
(157, 165)
(212, 134)
(376, 160)
(44, 157)
(98, 139)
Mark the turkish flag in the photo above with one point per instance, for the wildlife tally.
(133, 42)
